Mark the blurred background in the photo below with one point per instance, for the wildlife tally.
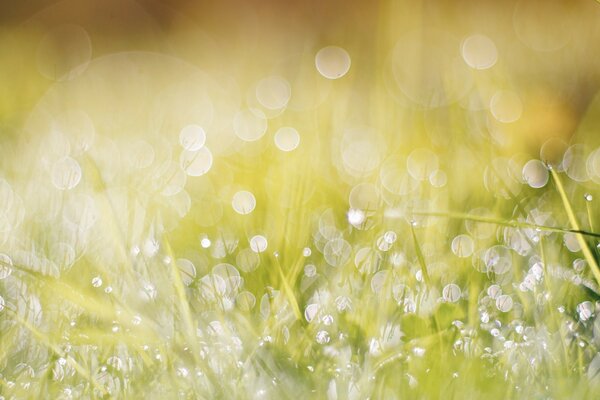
(299, 197)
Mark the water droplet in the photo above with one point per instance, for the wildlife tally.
(463, 246)
(322, 337)
(535, 174)
(332, 62)
(192, 137)
(504, 303)
(66, 173)
(356, 217)
(273, 92)
(588, 197)
(479, 52)
(196, 163)
(306, 252)
(245, 301)
(506, 106)
(310, 270)
(337, 252)
(247, 260)
(585, 310)
(327, 319)
(96, 281)
(451, 293)
(205, 242)
(390, 237)
(418, 351)
(311, 311)
(258, 243)
(494, 291)
(250, 124)
(287, 139)
(243, 202)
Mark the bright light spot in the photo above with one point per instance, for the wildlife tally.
(243, 202)
(506, 106)
(585, 310)
(205, 243)
(97, 281)
(438, 178)
(535, 173)
(66, 173)
(310, 270)
(451, 293)
(575, 163)
(273, 92)
(258, 243)
(250, 125)
(245, 301)
(356, 217)
(192, 137)
(504, 303)
(287, 139)
(196, 163)
(479, 52)
(247, 260)
(310, 312)
(332, 62)
(337, 252)
(463, 246)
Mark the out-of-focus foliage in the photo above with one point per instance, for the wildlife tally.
(349, 200)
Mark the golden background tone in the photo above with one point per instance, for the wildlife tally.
(317, 199)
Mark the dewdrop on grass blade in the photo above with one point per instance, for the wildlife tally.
(243, 202)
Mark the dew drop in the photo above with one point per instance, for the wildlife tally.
(258, 243)
(250, 125)
(451, 293)
(322, 337)
(332, 62)
(463, 246)
(585, 310)
(287, 139)
(196, 163)
(243, 202)
(273, 92)
(192, 137)
(66, 173)
(535, 174)
(504, 303)
(506, 106)
(479, 52)
(96, 281)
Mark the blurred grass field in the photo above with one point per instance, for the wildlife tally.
(263, 200)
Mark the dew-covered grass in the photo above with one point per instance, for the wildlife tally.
(405, 212)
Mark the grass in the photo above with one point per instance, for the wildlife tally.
(408, 253)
